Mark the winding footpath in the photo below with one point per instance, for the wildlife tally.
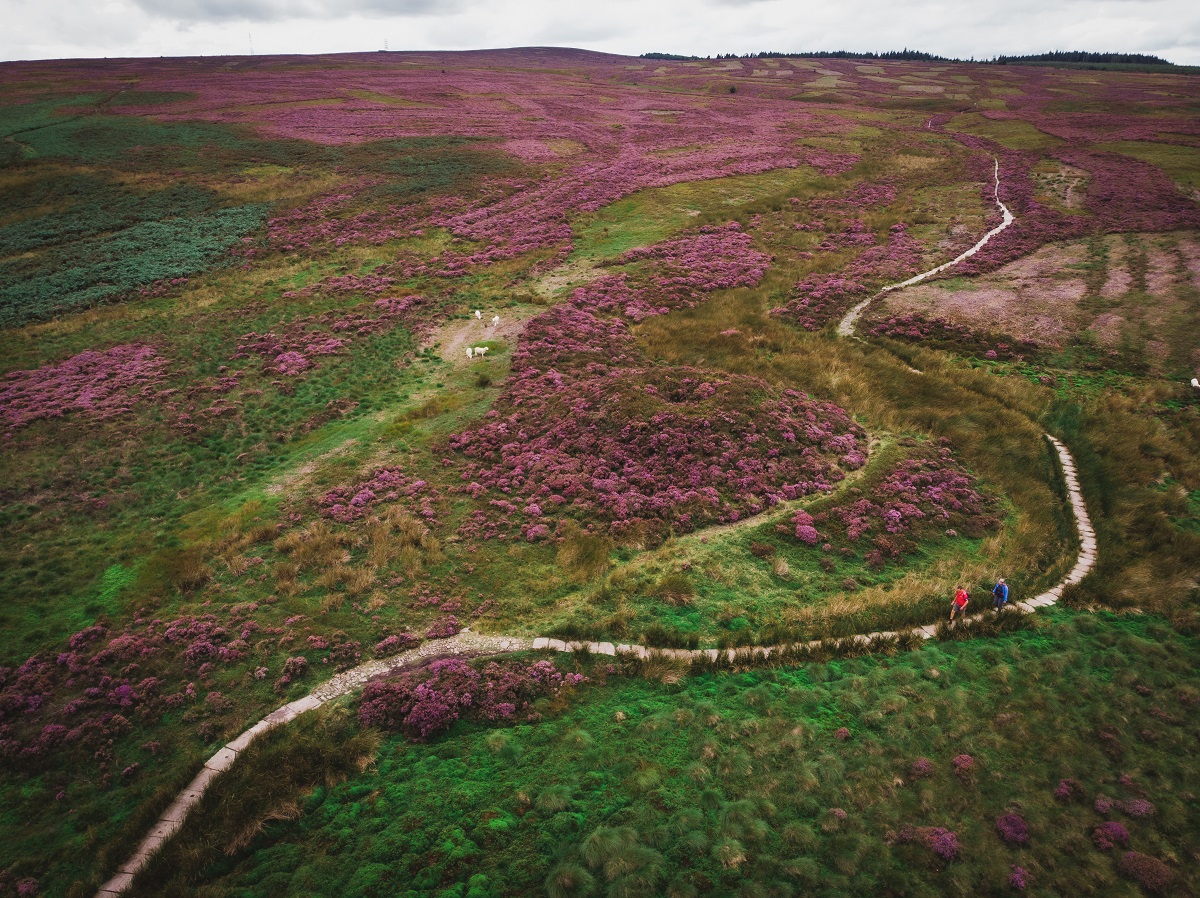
(468, 643)
(847, 325)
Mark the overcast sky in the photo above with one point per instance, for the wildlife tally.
(41, 29)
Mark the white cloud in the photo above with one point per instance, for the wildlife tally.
(188, 27)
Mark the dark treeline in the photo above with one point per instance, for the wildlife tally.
(1057, 57)
(1081, 56)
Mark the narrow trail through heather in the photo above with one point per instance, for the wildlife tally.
(847, 325)
(475, 644)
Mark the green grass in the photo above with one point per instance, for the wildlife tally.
(724, 783)
(1181, 163)
(1012, 133)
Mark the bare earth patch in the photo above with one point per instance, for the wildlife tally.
(1031, 298)
(1128, 291)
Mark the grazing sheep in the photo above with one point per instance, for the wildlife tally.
(495, 320)
(1196, 383)
(469, 355)
(478, 314)
(481, 350)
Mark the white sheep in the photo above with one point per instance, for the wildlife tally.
(478, 314)
(469, 355)
(1196, 383)
(481, 350)
(495, 320)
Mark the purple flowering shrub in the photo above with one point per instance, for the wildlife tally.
(1018, 878)
(1137, 807)
(386, 485)
(395, 643)
(942, 842)
(103, 682)
(942, 333)
(688, 266)
(650, 448)
(423, 703)
(443, 628)
(96, 384)
(822, 298)
(1149, 872)
(293, 348)
(1110, 834)
(1013, 829)
(929, 492)
(920, 768)
(964, 766)
(1068, 790)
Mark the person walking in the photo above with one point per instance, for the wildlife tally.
(999, 595)
(961, 599)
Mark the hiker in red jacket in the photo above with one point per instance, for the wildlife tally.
(961, 600)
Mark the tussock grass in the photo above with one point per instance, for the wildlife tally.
(794, 773)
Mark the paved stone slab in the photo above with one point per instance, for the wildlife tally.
(117, 884)
(281, 715)
(308, 703)
(242, 742)
(1026, 607)
(556, 644)
(605, 648)
(541, 642)
(222, 760)
(180, 807)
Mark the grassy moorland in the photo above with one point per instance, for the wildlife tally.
(244, 447)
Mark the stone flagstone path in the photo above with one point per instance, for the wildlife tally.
(847, 325)
(468, 643)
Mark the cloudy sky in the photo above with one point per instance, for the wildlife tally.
(40, 29)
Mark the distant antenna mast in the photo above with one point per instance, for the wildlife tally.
(251, 37)
(385, 46)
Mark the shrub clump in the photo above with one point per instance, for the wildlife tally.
(922, 493)
(941, 841)
(1068, 789)
(395, 644)
(964, 766)
(1109, 835)
(443, 628)
(1149, 872)
(426, 702)
(1018, 878)
(921, 768)
(1013, 829)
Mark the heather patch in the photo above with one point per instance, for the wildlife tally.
(82, 703)
(820, 299)
(945, 334)
(651, 449)
(385, 486)
(920, 496)
(587, 428)
(429, 701)
(95, 384)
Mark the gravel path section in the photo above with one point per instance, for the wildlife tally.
(847, 325)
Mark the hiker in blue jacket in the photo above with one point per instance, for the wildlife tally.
(999, 594)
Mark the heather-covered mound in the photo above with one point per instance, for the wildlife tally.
(587, 428)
